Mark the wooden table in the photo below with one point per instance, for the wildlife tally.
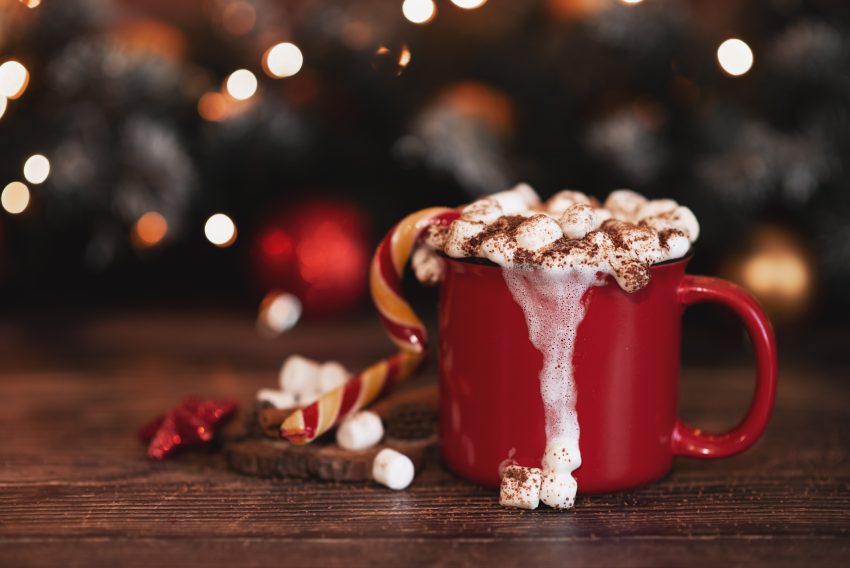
(75, 488)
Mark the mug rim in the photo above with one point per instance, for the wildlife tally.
(489, 264)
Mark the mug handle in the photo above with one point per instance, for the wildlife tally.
(693, 442)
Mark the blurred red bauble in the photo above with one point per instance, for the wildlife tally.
(317, 250)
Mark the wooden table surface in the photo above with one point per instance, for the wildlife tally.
(75, 488)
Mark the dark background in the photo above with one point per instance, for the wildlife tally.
(591, 95)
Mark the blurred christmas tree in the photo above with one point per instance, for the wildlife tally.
(156, 115)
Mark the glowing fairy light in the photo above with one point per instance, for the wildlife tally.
(283, 60)
(149, 230)
(3, 104)
(241, 84)
(15, 197)
(36, 169)
(735, 57)
(419, 11)
(14, 78)
(469, 4)
(631, 1)
(279, 312)
(220, 230)
(31, 3)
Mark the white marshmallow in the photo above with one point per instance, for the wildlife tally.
(277, 398)
(578, 220)
(677, 246)
(281, 313)
(393, 469)
(299, 374)
(484, 210)
(429, 267)
(459, 232)
(520, 487)
(516, 200)
(537, 232)
(499, 249)
(624, 204)
(361, 431)
(686, 221)
(655, 207)
(331, 375)
(558, 490)
(559, 202)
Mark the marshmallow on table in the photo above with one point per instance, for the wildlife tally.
(578, 220)
(360, 431)
(537, 232)
(559, 202)
(558, 490)
(299, 374)
(331, 375)
(517, 199)
(277, 398)
(393, 469)
(521, 487)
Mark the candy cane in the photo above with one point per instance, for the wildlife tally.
(400, 322)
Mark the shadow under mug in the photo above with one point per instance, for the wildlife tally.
(626, 373)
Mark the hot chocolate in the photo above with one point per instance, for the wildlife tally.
(552, 253)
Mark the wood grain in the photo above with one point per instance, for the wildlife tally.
(75, 487)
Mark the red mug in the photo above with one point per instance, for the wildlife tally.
(626, 375)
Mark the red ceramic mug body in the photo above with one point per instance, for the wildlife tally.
(626, 373)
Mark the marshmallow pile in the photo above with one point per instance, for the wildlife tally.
(554, 485)
(569, 232)
(302, 381)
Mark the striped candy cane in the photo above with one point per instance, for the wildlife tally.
(400, 322)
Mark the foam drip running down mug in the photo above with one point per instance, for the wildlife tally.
(626, 362)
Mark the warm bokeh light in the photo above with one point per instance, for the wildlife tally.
(15, 197)
(279, 312)
(283, 60)
(239, 17)
(14, 78)
(631, 1)
(391, 61)
(212, 106)
(31, 3)
(220, 230)
(36, 169)
(3, 104)
(150, 229)
(419, 11)
(241, 84)
(469, 4)
(780, 275)
(735, 57)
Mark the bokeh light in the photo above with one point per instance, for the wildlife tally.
(735, 57)
(3, 104)
(220, 230)
(14, 78)
(36, 169)
(391, 61)
(631, 1)
(31, 3)
(15, 197)
(239, 17)
(283, 60)
(149, 230)
(419, 11)
(279, 312)
(469, 4)
(241, 84)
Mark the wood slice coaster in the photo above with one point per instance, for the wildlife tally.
(410, 423)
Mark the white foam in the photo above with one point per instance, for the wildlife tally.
(552, 304)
